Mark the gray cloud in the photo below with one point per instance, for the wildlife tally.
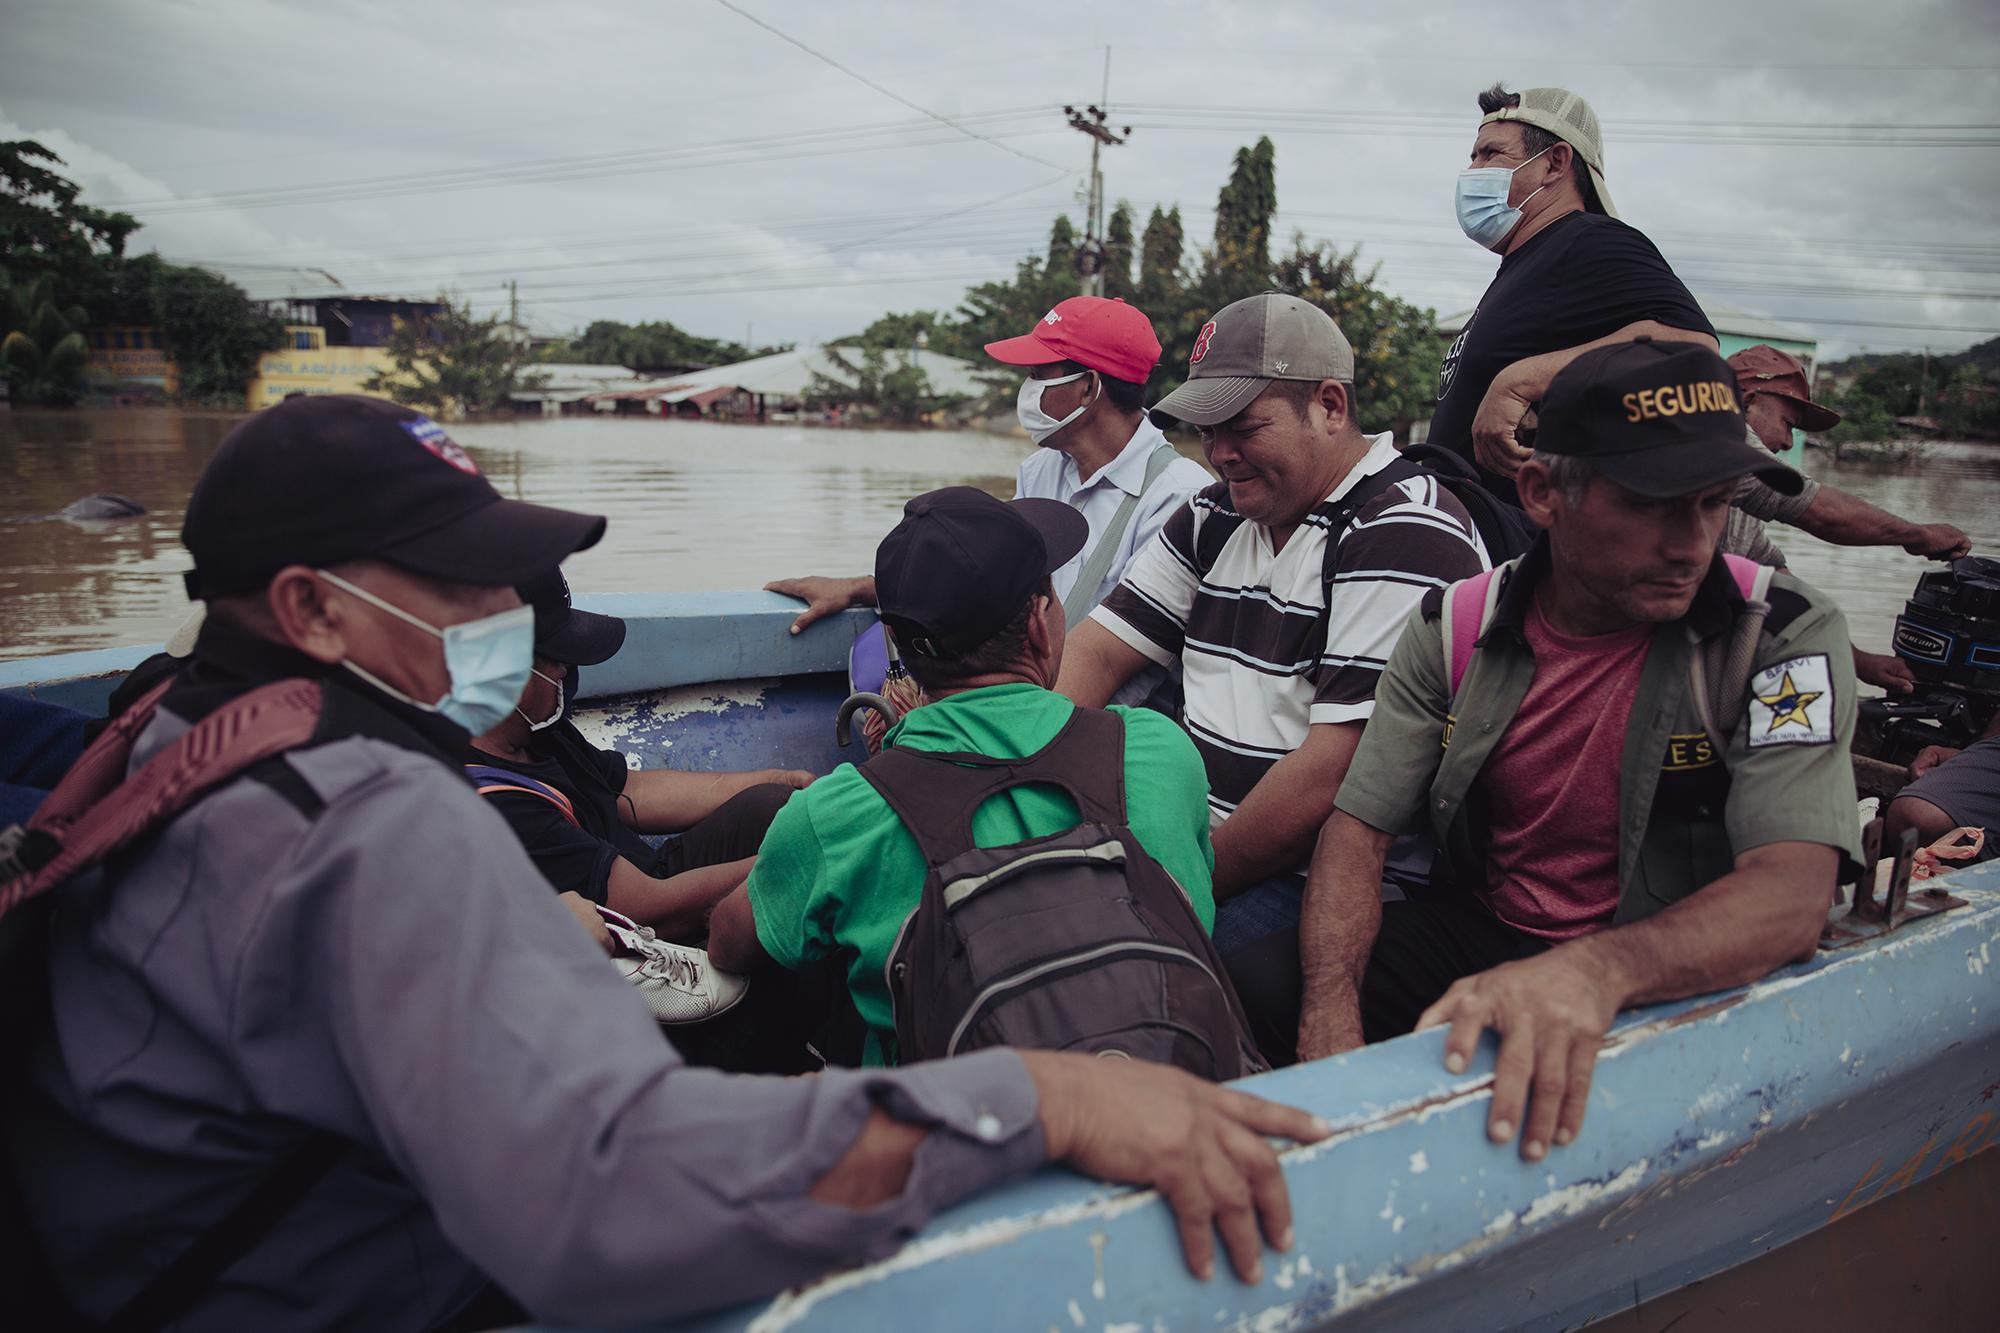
(187, 101)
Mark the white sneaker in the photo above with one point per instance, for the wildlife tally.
(679, 983)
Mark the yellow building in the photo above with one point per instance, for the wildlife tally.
(308, 365)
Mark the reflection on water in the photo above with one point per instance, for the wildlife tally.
(692, 505)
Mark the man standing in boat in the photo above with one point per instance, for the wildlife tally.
(1572, 276)
(1633, 751)
(336, 987)
(1083, 402)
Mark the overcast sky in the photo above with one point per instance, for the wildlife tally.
(1835, 164)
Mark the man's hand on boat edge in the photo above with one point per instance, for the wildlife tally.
(1205, 1148)
(824, 596)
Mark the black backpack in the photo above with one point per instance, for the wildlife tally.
(1077, 941)
(1503, 527)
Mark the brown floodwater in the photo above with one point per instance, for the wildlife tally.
(693, 505)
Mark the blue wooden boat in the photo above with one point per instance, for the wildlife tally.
(1720, 1129)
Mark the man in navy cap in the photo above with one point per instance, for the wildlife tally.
(964, 585)
(343, 948)
(1633, 752)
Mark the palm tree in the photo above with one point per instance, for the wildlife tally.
(42, 354)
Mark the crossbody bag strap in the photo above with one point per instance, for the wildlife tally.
(175, 1288)
(1083, 593)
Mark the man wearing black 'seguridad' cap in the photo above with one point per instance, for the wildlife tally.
(1632, 749)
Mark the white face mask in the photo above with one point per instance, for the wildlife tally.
(488, 660)
(554, 716)
(1484, 214)
(1028, 407)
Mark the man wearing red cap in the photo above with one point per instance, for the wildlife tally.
(1083, 401)
(1777, 401)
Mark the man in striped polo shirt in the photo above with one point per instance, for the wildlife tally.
(1281, 636)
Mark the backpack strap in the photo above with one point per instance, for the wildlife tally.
(1719, 669)
(488, 779)
(936, 793)
(96, 809)
(1083, 593)
(1340, 519)
(1468, 610)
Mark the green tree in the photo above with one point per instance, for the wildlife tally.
(42, 353)
(1118, 254)
(1244, 210)
(212, 331)
(879, 385)
(656, 346)
(1160, 279)
(454, 362)
(1061, 259)
(1396, 345)
(45, 231)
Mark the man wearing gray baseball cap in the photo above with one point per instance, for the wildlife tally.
(1280, 590)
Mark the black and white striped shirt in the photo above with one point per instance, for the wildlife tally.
(1258, 667)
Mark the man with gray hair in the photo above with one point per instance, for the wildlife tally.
(1632, 749)
(1572, 276)
(1279, 590)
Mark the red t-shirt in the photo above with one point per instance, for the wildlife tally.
(1552, 783)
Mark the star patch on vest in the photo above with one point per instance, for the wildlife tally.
(1792, 703)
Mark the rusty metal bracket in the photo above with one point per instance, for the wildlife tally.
(1871, 917)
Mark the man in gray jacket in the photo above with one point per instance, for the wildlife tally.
(348, 942)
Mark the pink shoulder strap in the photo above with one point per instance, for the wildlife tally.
(1752, 579)
(1467, 604)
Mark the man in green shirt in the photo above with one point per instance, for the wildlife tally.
(964, 585)
(1623, 816)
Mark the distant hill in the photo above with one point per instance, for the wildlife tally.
(1986, 356)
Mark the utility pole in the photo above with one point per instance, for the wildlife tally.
(514, 309)
(1090, 121)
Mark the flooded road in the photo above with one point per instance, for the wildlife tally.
(692, 505)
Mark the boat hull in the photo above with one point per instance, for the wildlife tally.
(1718, 1130)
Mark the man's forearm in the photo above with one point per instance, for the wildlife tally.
(1762, 915)
(1529, 378)
(1095, 663)
(1275, 827)
(1846, 520)
(1337, 927)
(664, 800)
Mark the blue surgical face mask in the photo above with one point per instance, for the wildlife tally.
(489, 661)
(1483, 211)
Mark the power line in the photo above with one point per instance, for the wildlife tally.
(886, 92)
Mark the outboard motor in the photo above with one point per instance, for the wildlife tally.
(1949, 633)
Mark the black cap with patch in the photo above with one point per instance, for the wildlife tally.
(565, 634)
(961, 565)
(1659, 418)
(320, 480)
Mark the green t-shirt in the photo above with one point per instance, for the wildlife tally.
(839, 871)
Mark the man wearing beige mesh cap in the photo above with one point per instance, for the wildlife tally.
(1572, 276)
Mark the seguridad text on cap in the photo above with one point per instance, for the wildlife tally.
(1658, 417)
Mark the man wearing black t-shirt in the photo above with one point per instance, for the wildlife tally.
(1572, 276)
